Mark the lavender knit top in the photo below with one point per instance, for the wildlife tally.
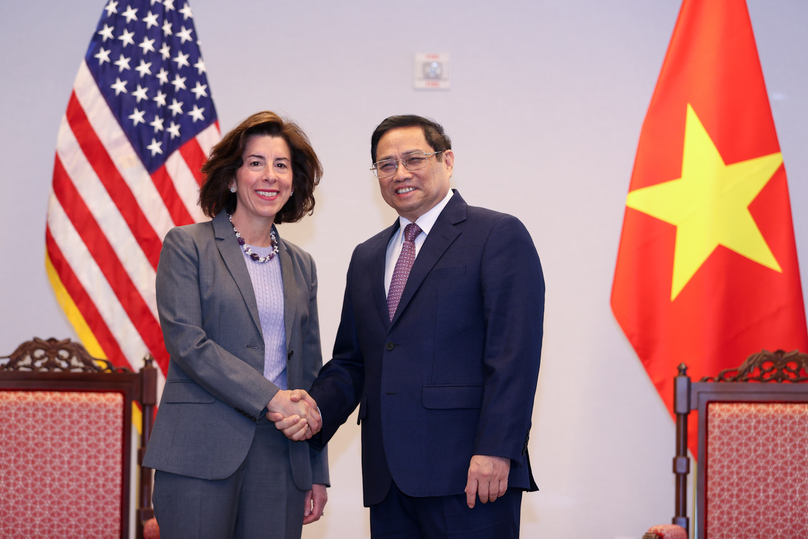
(267, 283)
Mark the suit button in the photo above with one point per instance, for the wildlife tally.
(389, 345)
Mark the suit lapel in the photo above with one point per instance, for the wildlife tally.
(442, 235)
(231, 254)
(289, 303)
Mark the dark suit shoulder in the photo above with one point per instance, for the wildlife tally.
(457, 211)
(383, 236)
(370, 245)
(486, 214)
(484, 219)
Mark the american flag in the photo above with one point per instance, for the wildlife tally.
(138, 127)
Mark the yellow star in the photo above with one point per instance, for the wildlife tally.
(709, 204)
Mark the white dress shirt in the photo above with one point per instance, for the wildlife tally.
(425, 222)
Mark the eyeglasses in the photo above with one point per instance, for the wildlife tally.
(412, 162)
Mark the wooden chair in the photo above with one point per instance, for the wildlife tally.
(752, 478)
(65, 442)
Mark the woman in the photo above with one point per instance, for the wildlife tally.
(238, 308)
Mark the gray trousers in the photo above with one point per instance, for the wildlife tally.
(260, 500)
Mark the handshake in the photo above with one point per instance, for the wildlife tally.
(295, 414)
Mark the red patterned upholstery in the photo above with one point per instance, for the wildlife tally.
(752, 478)
(66, 443)
(757, 463)
(666, 531)
(60, 464)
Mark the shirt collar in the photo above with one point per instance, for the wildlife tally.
(427, 220)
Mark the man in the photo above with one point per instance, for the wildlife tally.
(445, 375)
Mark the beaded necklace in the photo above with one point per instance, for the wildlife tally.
(273, 242)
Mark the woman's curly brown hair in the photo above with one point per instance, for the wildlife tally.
(225, 158)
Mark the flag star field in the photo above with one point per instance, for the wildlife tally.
(146, 60)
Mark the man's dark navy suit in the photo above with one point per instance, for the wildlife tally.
(455, 372)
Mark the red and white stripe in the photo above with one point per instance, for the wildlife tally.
(107, 217)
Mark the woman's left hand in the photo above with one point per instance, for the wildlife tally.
(316, 499)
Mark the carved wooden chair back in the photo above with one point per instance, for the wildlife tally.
(752, 476)
(66, 441)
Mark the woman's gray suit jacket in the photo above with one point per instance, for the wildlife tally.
(215, 389)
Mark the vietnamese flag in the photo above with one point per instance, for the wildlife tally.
(707, 269)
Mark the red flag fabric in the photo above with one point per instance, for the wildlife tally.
(707, 269)
(138, 126)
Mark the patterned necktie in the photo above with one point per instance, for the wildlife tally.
(403, 267)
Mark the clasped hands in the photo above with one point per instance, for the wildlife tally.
(295, 414)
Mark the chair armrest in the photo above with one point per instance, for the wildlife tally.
(151, 530)
(665, 531)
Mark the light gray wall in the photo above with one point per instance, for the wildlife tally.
(545, 110)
